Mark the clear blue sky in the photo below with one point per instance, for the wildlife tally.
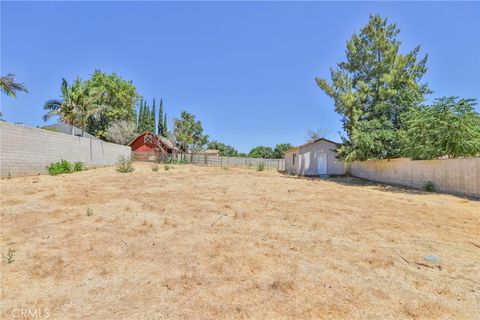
(246, 70)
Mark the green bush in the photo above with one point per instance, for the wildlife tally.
(429, 187)
(261, 166)
(125, 164)
(63, 166)
(79, 166)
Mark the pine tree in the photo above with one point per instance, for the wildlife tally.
(373, 88)
(160, 118)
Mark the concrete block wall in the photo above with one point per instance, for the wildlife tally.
(27, 151)
(456, 176)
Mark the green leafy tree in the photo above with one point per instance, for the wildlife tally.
(279, 151)
(119, 98)
(450, 127)
(189, 133)
(372, 88)
(224, 150)
(261, 152)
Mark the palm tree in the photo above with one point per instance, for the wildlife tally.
(78, 104)
(65, 108)
(10, 87)
(87, 106)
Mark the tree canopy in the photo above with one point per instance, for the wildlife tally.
(261, 152)
(119, 98)
(224, 149)
(372, 88)
(279, 151)
(450, 127)
(189, 133)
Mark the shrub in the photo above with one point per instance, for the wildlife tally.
(125, 164)
(429, 187)
(63, 166)
(8, 258)
(166, 167)
(261, 166)
(155, 167)
(79, 166)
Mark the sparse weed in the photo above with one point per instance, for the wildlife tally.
(166, 167)
(155, 167)
(429, 187)
(9, 257)
(89, 212)
(79, 166)
(125, 164)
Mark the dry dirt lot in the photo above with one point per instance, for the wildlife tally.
(209, 243)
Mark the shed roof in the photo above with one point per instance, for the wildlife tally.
(311, 142)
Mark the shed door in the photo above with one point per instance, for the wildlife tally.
(321, 163)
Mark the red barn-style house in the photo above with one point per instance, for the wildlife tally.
(149, 146)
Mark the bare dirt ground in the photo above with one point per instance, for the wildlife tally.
(209, 243)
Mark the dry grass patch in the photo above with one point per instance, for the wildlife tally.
(207, 243)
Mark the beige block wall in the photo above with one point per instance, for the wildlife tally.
(27, 151)
(456, 176)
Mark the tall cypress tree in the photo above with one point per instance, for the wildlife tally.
(165, 127)
(160, 118)
(153, 116)
(140, 116)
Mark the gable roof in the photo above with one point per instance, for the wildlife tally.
(312, 142)
(164, 140)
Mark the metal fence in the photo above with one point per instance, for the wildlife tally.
(208, 160)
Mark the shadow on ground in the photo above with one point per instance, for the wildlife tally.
(353, 181)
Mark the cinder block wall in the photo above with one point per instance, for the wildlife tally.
(456, 176)
(27, 151)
